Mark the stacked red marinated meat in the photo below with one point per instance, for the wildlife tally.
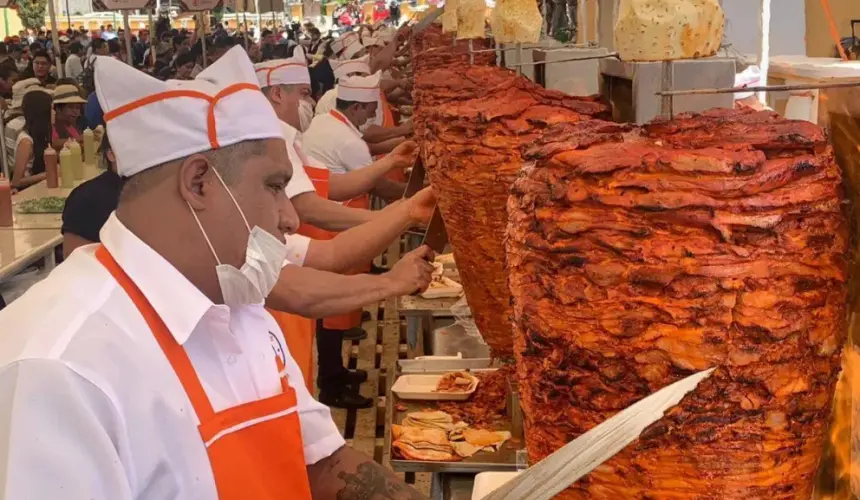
(438, 71)
(473, 151)
(715, 240)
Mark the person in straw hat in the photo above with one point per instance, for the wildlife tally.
(68, 105)
(286, 84)
(146, 367)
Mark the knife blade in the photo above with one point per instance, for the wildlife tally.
(416, 178)
(428, 20)
(436, 237)
(577, 458)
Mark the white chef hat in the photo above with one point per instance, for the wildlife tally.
(343, 68)
(290, 71)
(151, 122)
(750, 77)
(351, 47)
(359, 88)
(339, 44)
(370, 41)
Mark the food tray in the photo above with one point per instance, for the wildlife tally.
(423, 387)
(488, 482)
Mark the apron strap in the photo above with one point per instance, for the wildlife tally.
(175, 353)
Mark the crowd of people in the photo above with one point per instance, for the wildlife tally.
(230, 184)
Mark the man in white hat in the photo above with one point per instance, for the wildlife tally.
(335, 138)
(381, 134)
(146, 367)
(286, 84)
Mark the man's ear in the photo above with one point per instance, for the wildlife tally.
(193, 185)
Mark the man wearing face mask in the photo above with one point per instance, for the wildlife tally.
(380, 133)
(169, 377)
(335, 139)
(286, 84)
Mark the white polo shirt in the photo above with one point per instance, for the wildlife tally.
(338, 145)
(300, 183)
(327, 102)
(91, 408)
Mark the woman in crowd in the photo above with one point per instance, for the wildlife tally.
(67, 109)
(32, 141)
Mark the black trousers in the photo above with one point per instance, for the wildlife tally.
(332, 374)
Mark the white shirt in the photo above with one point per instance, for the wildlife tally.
(300, 183)
(91, 408)
(327, 102)
(339, 146)
(74, 67)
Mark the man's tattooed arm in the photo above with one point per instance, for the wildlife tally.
(349, 475)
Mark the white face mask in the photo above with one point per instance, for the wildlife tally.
(264, 258)
(306, 114)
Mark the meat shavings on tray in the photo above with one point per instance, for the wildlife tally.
(456, 382)
(488, 405)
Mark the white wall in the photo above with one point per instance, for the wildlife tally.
(787, 26)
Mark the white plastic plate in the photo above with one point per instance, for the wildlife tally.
(488, 482)
(423, 387)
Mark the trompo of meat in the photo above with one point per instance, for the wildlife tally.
(480, 121)
(712, 240)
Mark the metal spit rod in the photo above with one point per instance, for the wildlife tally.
(471, 53)
(572, 59)
(519, 64)
(765, 88)
(547, 48)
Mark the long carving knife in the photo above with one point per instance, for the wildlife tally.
(436, 236)
(577, 458)
(427, 21)
(416, 178)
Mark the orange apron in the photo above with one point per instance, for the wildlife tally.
(397, 174)
(255, 448)
(299, 331)
(351, 319)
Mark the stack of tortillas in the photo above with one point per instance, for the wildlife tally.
(471, 19)
(661, 30)
(516, 21)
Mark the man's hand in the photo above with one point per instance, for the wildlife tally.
(403, 156)
(421, 206)
(406, 128)
(412, 272)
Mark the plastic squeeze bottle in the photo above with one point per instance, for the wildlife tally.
(5, 203)
(52, 173)
(89, 147)
(67, 168)
(77, 160)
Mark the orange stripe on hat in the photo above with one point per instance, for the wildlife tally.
(194, 94)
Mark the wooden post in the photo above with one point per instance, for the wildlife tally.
(203, 37)
(764, 46)
(55, 40)
(128, 52)
(259, 19)
(152, 43)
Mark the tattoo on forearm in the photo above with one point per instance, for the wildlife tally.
(371, 482)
